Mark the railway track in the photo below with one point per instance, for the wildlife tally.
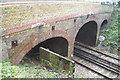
(92, 60)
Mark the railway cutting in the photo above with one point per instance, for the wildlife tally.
(99, 63)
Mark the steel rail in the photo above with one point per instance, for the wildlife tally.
(106, 77)
(96, 62)
(80, 44)
(103, 60)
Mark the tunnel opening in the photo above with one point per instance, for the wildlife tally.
(58, 45)
(87, 34)
(103, 24)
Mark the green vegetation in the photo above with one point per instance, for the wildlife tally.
(27, 71)
(110, 32)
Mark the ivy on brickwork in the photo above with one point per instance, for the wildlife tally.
(111, 31)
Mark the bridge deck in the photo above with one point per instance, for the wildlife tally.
(17, 14)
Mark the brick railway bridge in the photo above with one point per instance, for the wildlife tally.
(54, 25)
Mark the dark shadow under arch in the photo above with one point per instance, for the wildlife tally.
(103, 23)
(87, 34)
(57, 44)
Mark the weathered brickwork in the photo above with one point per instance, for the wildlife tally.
(54, 61)
(15, 15)
(18, 20)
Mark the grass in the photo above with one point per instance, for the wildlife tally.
(24, 71)
(111, 31)
(27, 71)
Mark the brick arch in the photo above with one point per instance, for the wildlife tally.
(83, 25)
(31, 44)
(105, 21)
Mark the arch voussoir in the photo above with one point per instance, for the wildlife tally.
(32, 43)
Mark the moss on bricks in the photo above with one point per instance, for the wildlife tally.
(56, 62)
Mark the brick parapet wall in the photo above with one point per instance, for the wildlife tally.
(22, 13)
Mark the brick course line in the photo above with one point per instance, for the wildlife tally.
(26, 26)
